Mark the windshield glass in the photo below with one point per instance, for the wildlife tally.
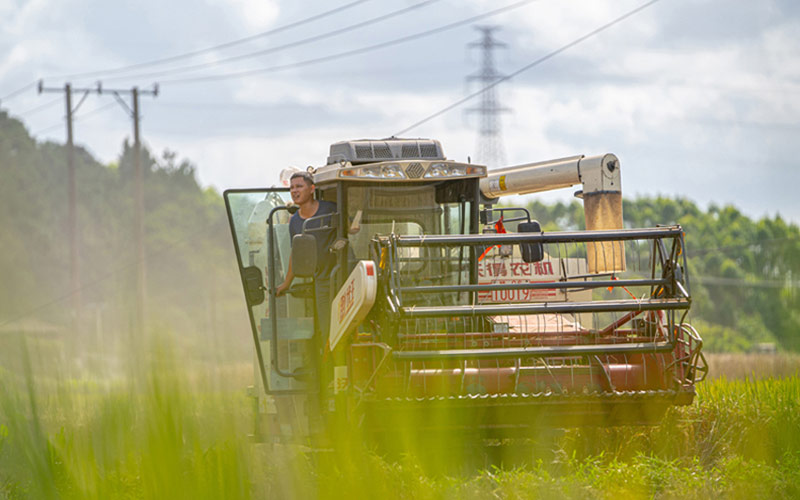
(382, 206)
(410, 211)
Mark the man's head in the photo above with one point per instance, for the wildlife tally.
(301, 187)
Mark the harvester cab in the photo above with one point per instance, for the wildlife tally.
(444, 303)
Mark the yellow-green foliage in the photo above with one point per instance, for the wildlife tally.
(166, 429)
(147, 435)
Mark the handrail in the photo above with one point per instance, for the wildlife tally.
(487, 287)
(555, 237)
(547, 307)
(534, 352)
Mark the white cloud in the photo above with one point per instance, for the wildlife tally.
(254, 14)
(17, 56)
(555, 24)
(22, 17)
(781, 46)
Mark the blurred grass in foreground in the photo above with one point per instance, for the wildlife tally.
(166, 427)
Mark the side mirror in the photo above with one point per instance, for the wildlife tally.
(304, 255)
(253, 285)
(531, 252)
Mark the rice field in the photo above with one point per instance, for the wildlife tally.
(160, 424)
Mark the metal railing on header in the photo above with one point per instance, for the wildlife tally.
(656, 271)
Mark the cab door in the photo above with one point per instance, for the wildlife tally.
(282, 327)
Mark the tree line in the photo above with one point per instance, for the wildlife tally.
(745, 273)
(192, 282)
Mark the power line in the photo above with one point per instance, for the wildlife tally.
(340, 55)
(271, 50)
(76, 118)
(95, 111)
(18, 92)
(47, 129)
(39, 108)
(125, 69)
(529, 66)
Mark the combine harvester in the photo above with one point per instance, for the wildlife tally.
(451, 314)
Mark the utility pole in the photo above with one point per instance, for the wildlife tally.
(72, 203)
(490, 144)
(138, 217)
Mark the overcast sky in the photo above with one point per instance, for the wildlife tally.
(698, 98)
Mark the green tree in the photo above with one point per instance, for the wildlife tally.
(744, 272)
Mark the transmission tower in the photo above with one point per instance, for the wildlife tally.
(490, 143)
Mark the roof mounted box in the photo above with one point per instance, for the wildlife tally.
(375, 150)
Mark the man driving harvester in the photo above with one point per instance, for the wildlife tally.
(301, 188)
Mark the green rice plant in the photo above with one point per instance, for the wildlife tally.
(758, 418)
(168, 427)
(149, 436)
